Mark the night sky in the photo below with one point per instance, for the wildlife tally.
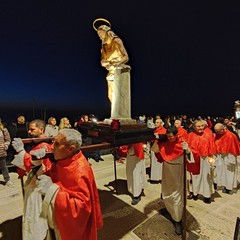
(185, 57)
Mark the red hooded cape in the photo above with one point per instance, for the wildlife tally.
(227, 143)
(201, 145)
(183, 134)
(77, 207)
(170, 150)
(138, 149)
(160, 130)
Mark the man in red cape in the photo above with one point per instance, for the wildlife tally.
(135, 170)
(202, 146)
(183, 134)
(171, 153)
(228, 149)
(71, 202)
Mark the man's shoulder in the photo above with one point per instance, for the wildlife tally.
(231, 135)
(80, 169)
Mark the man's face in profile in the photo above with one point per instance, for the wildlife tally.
(34, 131)
(60, 149)
(158, 123)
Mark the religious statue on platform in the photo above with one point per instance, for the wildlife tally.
(114, 58)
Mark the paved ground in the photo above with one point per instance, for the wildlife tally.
(122, 220)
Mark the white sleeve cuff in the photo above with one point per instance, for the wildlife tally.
(48, 199)
(19, 160)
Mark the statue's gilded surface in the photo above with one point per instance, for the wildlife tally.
(114, 58)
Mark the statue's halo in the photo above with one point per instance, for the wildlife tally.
(100, 20)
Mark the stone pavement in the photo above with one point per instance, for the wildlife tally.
(213, 221)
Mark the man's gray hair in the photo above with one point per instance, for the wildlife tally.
(73, 137)
(196, 121)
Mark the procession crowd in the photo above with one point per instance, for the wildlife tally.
(63, 193)
(209, 146)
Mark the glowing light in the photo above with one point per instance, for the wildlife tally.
(211, 160)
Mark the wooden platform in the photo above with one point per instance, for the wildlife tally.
(126, 134)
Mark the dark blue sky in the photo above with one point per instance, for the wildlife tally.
(184, 57)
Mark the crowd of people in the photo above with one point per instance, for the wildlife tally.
(210, 147)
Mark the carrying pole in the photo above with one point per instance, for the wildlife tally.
(184, 216)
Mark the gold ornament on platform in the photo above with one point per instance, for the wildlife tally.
(100, 20)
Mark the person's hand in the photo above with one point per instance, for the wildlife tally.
(18, 144)
(105, 63)
(39, 153)
(18, 160)
(156, 135)
(185, 146)
(115, 61)
(44, 184)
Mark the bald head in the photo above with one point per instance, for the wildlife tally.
(219, 128)
(177, 123)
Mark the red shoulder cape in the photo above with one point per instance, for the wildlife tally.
(201, 145)
(170, 150)
(77, 209)
(227, 143)
(160, 130)
(183, 134)
(138, 149)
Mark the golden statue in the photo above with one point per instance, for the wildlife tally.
(113, 53)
